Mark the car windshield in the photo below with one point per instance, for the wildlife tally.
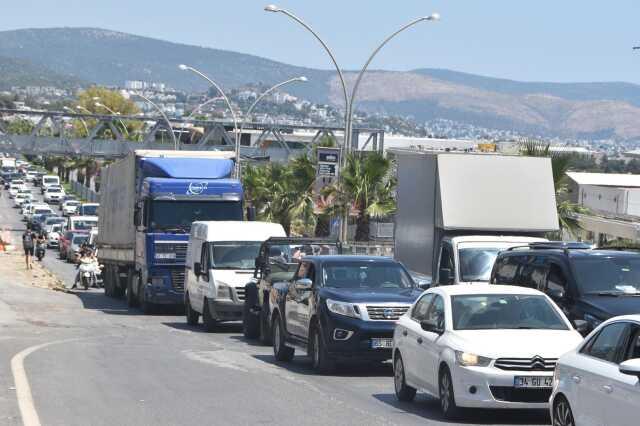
(71, 203)
(617, 275)
(89, 210)
(179, 215)
(53, 220)
(476, 263)
(78, 240)
(84, 225)
(234, 254)
(41, 211)
(50, 180)
(504, 312)
(366, 275)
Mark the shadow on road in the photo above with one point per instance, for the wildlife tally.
(429, 408)
(221, 328)
(96, 300)
(302, 365)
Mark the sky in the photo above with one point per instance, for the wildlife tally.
(527, 40)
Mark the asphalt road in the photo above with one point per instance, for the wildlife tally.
(106, 364)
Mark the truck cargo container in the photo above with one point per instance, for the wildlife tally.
(456, 211)
(148, 202)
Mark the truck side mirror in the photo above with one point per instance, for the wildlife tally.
(137, 217)
(251, 214)
(197, 269)
(446, 276)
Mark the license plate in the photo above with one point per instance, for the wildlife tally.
(533, 381)
(381, 343)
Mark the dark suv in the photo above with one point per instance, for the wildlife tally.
(588, 284)
(340, 308)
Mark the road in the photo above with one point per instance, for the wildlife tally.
(106, 364)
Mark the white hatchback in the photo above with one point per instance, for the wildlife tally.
(481, 346)
(598, 383)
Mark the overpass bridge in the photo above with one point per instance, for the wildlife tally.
(54, 134)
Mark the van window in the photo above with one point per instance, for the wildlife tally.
(446, 263)
(533, 273)
(506, 269)
(556, 279)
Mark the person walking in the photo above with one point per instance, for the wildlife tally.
(28, 242)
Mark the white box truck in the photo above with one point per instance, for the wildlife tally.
(456, 211)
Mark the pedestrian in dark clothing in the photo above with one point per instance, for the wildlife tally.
(28, 243)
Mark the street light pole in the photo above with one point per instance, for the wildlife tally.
(86, 129)
(233, 113)
(164, 116)
(98, 104)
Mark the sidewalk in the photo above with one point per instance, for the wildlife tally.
(12, 266)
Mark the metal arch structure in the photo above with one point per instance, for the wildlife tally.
(52, 135)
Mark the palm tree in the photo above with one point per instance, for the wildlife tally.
(365, 190)
(560, 162)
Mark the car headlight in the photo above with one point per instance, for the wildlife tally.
(223, 292)
(592, 320)
(467, 359)
(343, 308)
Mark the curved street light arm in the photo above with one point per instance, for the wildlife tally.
(84, 123)
(356, 85)
(202, 105)
(164, 116)
(124, 127)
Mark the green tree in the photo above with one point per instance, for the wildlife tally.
(560, 162)
(365, 190)
(113, 100)
(20, 126)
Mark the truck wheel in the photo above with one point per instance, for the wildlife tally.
(280, 350)
(320, 358)
(265, 330)
(192, 316)
(210, 324)
(250, 323)
(132, 300)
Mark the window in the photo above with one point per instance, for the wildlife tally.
(420, 309)
(533, 273)
(606, 345)
(446, 262)
(506, 270)
(204, 256)
(556, 279)
(436, 312)
(378, 276)
(303, 270)
(633, 349)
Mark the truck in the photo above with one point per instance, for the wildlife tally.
(456, 211)
(148, 201)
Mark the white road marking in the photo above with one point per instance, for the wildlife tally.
(23, 389)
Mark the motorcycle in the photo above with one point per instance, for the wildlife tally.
(89, 272)
(40, 250)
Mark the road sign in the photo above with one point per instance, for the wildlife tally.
(328, 162)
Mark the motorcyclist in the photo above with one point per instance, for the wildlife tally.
(41, 244)
(87, 258)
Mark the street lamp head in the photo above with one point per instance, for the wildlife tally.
(96, 98)
(98, 104)
(272, 8)
(183, 67)
(303, 78)
(433, 17)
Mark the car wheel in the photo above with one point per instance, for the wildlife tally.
(562, 414)
(404, 392)
(320, 358)
(192, 316)
(208, 321)
(250, 323)
(265, 330)
(280, 350)
(447, 398)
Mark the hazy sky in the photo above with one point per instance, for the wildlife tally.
(535, 40)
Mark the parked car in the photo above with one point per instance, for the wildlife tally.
(70, 207)
(598, 383)
(52, 194)
(278, 260)
(481, 346)
(593, 285)
(220, 258)
(340, 308)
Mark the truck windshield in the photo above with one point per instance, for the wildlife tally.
(179, 215)
(84, 225)
(234, 254)
(476, 263)
(366, 275)
(608, 275)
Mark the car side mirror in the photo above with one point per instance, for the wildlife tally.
(446, 276)
(431, 327)
(556, 295)
(631, 367)
(303, 284)
(581, 326)
(197, 269)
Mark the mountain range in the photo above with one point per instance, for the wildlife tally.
(71, 57)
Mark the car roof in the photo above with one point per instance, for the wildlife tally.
(572, 253)
(349, 258)
(634, 317)
(478, 289)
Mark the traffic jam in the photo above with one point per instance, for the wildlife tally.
(477, 307)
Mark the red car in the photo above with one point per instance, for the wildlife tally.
(64, 243)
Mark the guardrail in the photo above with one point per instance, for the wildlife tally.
(84, 193)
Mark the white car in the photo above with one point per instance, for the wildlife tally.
(21, 198)
(70, 207)
(29, 210)
(53, 194)
(481, 346)
(53, 236)
(598, 383)
(15, 186)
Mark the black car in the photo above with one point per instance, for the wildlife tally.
(340, 308)
(588, 284)
(278, 260)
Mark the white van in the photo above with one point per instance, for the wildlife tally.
(49, 180)
(82, 223)
(220, 261)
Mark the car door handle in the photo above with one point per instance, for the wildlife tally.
(419, 340)
(404, 332)
(577, 379)
(607, 388)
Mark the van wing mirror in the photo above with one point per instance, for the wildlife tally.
(446, 276)
(197, 269)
